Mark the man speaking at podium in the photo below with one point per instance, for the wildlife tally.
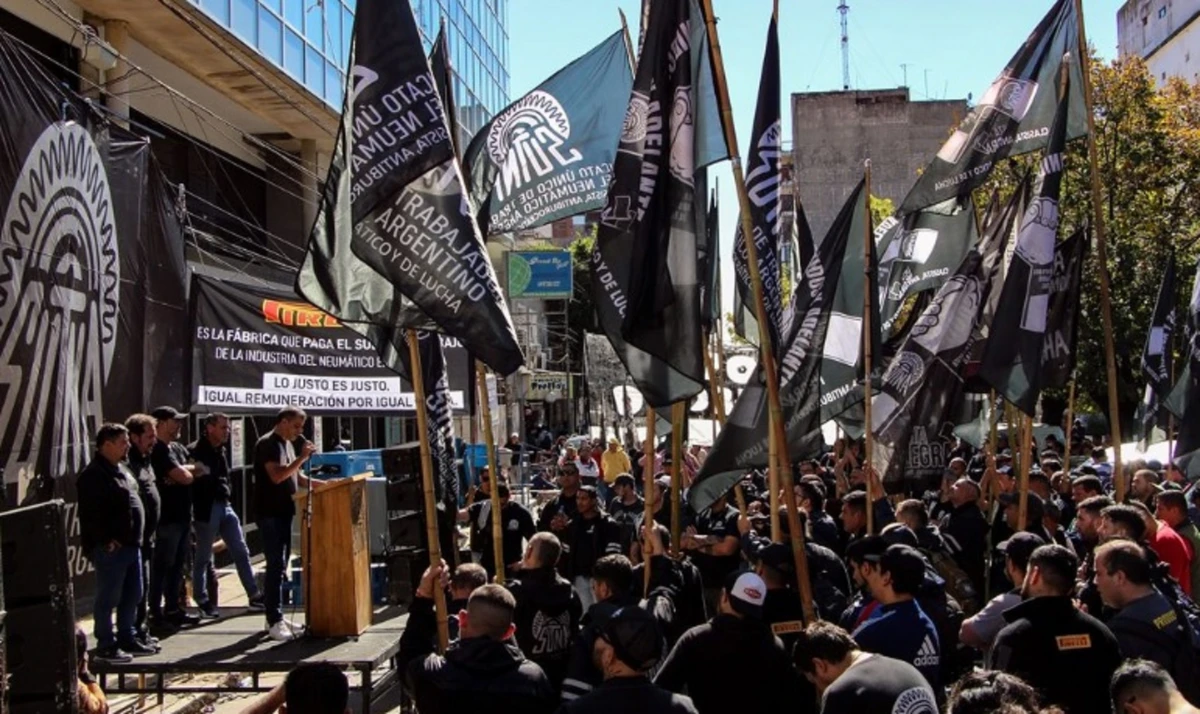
(276, 475)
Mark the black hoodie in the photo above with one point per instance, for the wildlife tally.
(582, 675)
(477, 674)
(547, 619)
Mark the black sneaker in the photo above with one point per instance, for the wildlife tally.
(256, 603)
(112, 654)
(208, 611)
(181, 618)
(133, 648)
(147, 639)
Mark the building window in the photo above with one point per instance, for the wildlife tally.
(244, 24)
(1162, 12)
(314, 71)
(293, 12)
(333, 34)
(293, 54)
(274, 5)
(333, 85)
(219, 9)
(270, 36)
(314, 22)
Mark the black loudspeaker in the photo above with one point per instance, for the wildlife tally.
(405, 568)
(39, 620)
(405, 494)
(406, 529)
(402, 461)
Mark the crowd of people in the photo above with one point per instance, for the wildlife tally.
(959, 599)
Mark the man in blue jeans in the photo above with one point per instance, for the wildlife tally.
(173, 474)
(214, 516)
(110, 529)
(278, 457)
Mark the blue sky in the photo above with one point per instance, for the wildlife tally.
(952, 48)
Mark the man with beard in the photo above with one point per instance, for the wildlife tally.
(547, 609)
(1064, 653)
(173, 475)
(612, 586)
(141, 443)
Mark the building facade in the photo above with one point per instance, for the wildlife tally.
(833, 133)
(1164, 33)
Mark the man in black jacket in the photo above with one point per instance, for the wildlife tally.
(484, 670)
(110, 530)
(1066, 655)
(612, 584)
(965, 530)
(626, 648)
(547, 609)
(141, 443)
(735, 647)
(591, 535)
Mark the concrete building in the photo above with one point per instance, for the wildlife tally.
(1165, 33)
(833, 133)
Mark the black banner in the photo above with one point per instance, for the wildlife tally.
(1013, 117)
(258, 349)
(742, 443)
(1156, 354)
(439, 403)
(549, 154)
(92, 304)
(1012, 361)
(1187, 445)
(763, 189)
(1062, 315)
(644, 268)
(395, 242)
(708, 253)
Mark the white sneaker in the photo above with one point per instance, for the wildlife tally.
(297, 629)
(280, 632)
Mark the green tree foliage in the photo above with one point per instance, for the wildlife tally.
(1148, 149)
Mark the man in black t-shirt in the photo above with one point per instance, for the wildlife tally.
(173, 475)
(714, 547)
(627, 509)
(851, 681)
(215, 517)
(516, 523)
(277, 463)
(141, 444)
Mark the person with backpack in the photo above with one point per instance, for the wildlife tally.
(914, 514)
(1147, 625)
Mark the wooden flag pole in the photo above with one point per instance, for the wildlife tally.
(628, 41)
(431, 524)
(1070, 420)
(1110, 360)
(647, 489)
(773, 484)
(775, 422)
(489, 444)
(678, 424)
(868, 445)
(993, 422)
(1024, 464)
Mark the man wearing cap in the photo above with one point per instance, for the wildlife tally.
(173, 475)
(1065, 654)
(899, 628)
(627, 509)
(735, 646)
(980, 630)
(782, 608)
(626, 649)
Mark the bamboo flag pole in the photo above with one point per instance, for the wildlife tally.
(1025, 463)
(773, 484)
(1070, 420)
(647, 489)
(431, 524)
(775, 411)
(489, 444)
(678, 424)
(1110, 360)
(868, 446)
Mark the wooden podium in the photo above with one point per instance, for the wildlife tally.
(337, 576)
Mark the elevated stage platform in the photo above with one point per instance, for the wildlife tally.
(238, 643)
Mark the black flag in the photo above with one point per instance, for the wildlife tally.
(742, 442)
(913, 413)
(1062, 316)
(440, 420)
(644, 268)
(708, 254)
(395, 242)
(763, 189)
(1156, 354)
(1188, 439)
(919, 252)
(549, 154)
(1015, 115)
(1012, 361)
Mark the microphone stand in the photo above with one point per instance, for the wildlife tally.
(308, 551)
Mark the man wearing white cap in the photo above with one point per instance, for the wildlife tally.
(735, 646)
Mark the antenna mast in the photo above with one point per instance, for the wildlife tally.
(844, 9)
